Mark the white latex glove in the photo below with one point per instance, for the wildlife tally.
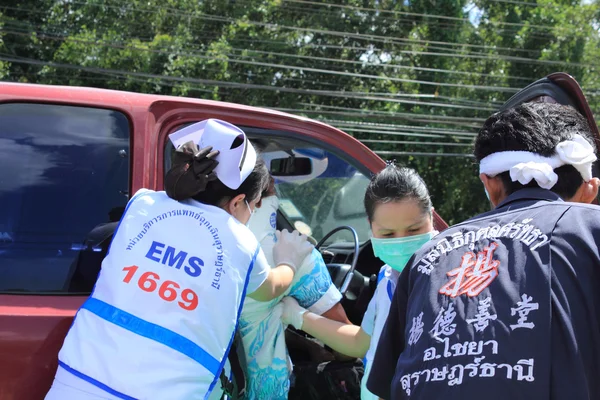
(293, 314)
(291, 248)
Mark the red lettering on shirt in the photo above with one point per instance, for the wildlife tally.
(476, 272)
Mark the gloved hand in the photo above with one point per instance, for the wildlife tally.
(291, 248)
(293, 313)
(191, 171)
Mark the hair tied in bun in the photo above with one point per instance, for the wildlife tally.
(191, 171)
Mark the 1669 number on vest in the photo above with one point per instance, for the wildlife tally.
(167, 290)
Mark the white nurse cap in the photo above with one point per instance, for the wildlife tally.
(236, 158)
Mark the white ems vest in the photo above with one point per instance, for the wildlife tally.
(161, 319)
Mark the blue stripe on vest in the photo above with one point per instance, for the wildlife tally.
(94, 382)
(389, 290)
(237, 321)
(152, 331)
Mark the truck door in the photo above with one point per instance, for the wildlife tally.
(64, 179)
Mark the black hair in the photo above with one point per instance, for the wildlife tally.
(216, 193)
(537, 128)
(396, 183)
(192, 176)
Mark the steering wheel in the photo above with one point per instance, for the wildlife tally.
(342, 274)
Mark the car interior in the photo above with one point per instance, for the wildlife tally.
(351, 263)
(347, 253)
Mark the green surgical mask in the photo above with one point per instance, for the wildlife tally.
(396, 252)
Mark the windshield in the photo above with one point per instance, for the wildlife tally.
(318, 191)
(331, 196)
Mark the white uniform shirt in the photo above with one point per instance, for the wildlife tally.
(374, 320)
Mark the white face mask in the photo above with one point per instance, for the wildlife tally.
(250, 211)
(263, 221)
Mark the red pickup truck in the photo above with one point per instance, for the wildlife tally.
(69, 159)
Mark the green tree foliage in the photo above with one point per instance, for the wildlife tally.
(413, 79)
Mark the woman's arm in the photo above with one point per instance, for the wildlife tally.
(347, 339)
(337, 313)
(277, 282)
(289, 251)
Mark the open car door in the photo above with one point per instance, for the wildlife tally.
(558, 87)
(561, 88)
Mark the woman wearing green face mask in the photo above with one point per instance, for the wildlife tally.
(400, 214)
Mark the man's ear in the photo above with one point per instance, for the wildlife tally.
(587, 192)
(495, 188)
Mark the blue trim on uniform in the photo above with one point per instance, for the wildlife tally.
(152, 331)
(390, 291)
(381, 275)
(94, 382)
(237, 321)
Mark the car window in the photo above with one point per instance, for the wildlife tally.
(64, 177)
(330, 196)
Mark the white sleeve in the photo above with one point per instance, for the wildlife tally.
(368, 322)
(259, 273)
(327, 301)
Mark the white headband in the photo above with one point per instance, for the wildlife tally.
(525, 166)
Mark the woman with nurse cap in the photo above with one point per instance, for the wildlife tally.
(161, 318)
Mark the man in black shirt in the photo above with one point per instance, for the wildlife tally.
(507, 305)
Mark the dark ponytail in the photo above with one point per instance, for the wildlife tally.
(192, 176)
(191, 172)
(216, 193)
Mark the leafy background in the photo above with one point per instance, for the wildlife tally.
(412, 79)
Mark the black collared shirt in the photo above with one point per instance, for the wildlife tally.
(503, 306)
